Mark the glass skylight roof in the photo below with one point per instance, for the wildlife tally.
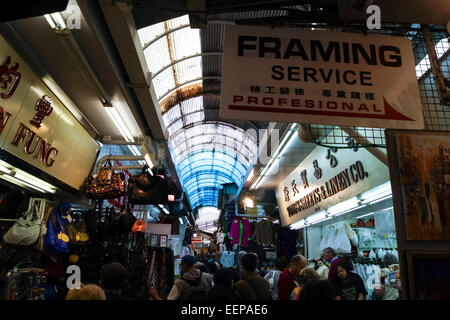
(207, 154)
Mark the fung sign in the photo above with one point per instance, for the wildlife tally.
(319, 77)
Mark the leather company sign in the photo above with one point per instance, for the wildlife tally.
(319, 77)
(36, 127)
(327, 177)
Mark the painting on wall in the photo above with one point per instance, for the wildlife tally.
(429, 275)
(423, 164)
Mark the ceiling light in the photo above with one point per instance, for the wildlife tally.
(381, 199)
(376, 193)
(181, 220)
(5, 170)
(298, 225)
(365, 215)
(278, 152)
(20, 182)
(316, 217)
(343, 206)
(59, 20)
(164, 209)
(248, 202)
(119, 123)
(50, 21)
(30, 181)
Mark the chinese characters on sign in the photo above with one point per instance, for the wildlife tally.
(9, 78)
(44, 108)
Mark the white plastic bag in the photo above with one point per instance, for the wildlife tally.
(342, 243)
(351, 234)
(384, 223)
(325, 237)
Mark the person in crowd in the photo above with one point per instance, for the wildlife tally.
(86, 292)
(274, 274)
(306, 276)
(252, 286)
(351, 286)
(113, 280)
(223, 286)
(317, 290)
(237, 268)
(330, 255)
(192, 280)
(286, 282)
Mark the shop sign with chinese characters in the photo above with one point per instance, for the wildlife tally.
(323, 77)
(36, 127)
(327, 177)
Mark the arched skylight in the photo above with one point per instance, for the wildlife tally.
(207, 154)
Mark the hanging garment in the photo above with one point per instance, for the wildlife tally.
(351, 234)
(384, 223)
(264, 232)
(240, 231)
(325, 236)
(227, 259)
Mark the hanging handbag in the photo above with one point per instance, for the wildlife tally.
(106, 185)
(147, 189)
(56, 240)
(77, 231)
(126, 220)
(40, 242)
(26, 230)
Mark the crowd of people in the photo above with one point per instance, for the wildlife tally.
(204, 278)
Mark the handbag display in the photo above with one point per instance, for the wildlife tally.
(40, 242)
(26, 230)
(107, 184)
(56, 240)
(77, 231)
(147, 189)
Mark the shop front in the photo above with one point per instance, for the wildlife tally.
(342, 199)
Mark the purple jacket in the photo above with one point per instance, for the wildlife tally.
(240, 231)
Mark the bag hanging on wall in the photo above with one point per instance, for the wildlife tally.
(126, 220)
(26, 230)
(139, 226)
(56, 240)
(77, 231)
(107, 184)
(147, 189)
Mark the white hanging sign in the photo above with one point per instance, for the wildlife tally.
(319, 77)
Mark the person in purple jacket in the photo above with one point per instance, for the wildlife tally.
(329, 254)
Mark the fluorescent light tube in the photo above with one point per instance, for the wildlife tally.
(350, 210)
(5, 170)
(321, 220)
(50, 21)
(343, 206)
(181, 220)
(377, 197)
(118, 122)
(298, 225)
(59, 19)
(381, 199)
(365, 215)
(40, 185)
(20, 182)
(316, 217)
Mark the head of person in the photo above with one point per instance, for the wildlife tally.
(113, 276)
(249, 262)
(86, 292)
(224, 277)
(317, 290)
(281, 263)
(308, 275)
(297, 264)
(328, 254)
(343, 268)
(389, 259)
(187, 263)
(241, 255)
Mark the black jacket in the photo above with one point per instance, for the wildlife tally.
(220, 292)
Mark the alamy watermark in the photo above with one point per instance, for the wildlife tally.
(374, 20)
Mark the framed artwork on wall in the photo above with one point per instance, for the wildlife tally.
(154, 240)
(429, 275)
(421, 167)
(163, 240)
